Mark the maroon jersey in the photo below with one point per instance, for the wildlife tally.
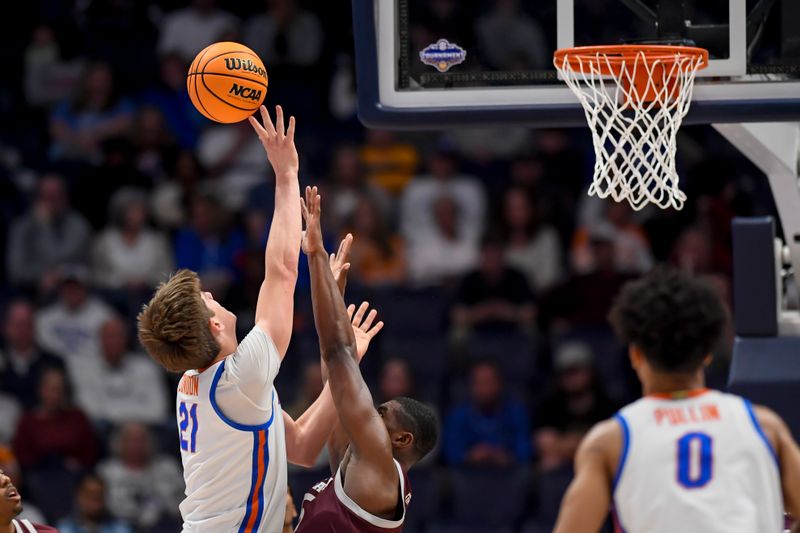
(327, 509)
(23, 526)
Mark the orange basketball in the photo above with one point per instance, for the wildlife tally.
(227, 82)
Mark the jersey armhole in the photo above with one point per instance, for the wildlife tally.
(760, 430)
(626, 437)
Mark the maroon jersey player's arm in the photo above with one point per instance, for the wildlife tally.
(788, 458)
(372, 479)
(586, 503)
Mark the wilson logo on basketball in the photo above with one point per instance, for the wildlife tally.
(234, 63)
(245, 92)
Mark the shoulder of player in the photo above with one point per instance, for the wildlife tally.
(604, 444)
(771, 423)
(370, 483)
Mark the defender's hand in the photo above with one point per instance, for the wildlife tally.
(363, 329)
(339, 265)
(312, 209)
(277, 142)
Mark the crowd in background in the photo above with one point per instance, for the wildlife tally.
(492, 268)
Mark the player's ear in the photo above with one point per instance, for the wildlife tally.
(215, 325)
(402, 439)
(635, 355)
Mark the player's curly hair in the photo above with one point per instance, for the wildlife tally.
(419, 420)
(173, 327)
(674, 319)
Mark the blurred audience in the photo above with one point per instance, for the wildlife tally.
(286, 33)
(389, 162)
(91, 514)
(575, 404)
(143, 487)
(172, 100)
(128, 255)
(532, 246)
(187, 31)
(49, 77)
(124, 385)
(395, 380)
(493, 298)
(10, 467)
(152, 143)
(508, 39)
(98, 113)
(22, 361)
(48, 235)
(70, 327)
(54, 434)
(171, 199)
(309, 387)
(377, 256)
(490, 428)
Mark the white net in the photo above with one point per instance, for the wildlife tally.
(634, 127)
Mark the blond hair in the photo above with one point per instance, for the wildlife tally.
(173, 326)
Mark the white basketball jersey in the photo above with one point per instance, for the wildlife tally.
(698, 464)
(235, 473)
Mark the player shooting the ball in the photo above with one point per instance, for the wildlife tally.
(235, 439)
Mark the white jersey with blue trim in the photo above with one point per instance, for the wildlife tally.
(233, 445)
(699, 463)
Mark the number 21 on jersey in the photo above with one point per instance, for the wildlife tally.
(187, 425)
(695, 460)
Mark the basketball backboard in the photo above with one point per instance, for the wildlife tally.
(440, 63)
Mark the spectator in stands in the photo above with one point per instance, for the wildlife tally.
(490, 429)
(55, 435)
(347, 187)
(692, 252)
(494, 298)
(187, 31)
(70, 327)
(388, 162)
(22, 361)
(143, 488)
(172, 99)
(50, 234)
(49, 78)
(128, 256)
(172, 198)
(577, 402)
(444, 254)
(98, 113)
(631, 247)
(583, 300)
(123, 386)
(395, 380)
(209, 245)
(377, 256)
(509, 39)
(291, 512)
(532, 247)
(418, 216)
(153, 143)
(286, 34)
(90, 514)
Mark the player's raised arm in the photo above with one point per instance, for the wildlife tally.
(275, 308)
(586, 503)
(361, 422)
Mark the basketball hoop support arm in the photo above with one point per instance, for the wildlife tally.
(774, 148)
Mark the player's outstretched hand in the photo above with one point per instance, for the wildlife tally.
(363, 328)
(338, 261)
(277, 141)
(312, 210)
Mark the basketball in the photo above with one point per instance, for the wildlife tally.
(227, 82)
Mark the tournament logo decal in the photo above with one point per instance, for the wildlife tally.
(442, 55)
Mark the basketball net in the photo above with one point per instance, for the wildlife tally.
(634, 98)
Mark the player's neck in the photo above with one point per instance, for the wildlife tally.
(7, 525)
(662, 383)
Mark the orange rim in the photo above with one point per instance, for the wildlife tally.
(615, 57)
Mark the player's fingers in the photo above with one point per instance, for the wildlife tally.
(369, 320)
(350, 310)
(332, 261)
(344, 248)
(318, 204)
(359, 316)
(309, 198)
(304, 209)
(375, 329)
(260, 131)
(290, 133)
(279, 128)
(268, 127)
